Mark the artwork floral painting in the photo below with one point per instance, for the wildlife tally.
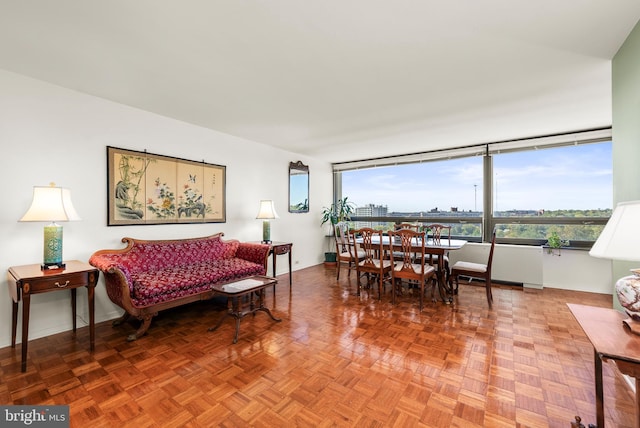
(146, 188)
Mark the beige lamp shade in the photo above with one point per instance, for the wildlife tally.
(620, 238)
(267, 210)
(51, 204)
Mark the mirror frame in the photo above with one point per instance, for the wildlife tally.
(297, 169)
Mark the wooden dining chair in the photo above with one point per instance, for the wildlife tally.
(374, 262)
(475, 270)
(440, 232)
(410, 226)
(348, 253)
(413, 267)
(398, 255)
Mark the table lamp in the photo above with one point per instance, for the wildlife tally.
(620, 240)
(267, 212)
(51, 204)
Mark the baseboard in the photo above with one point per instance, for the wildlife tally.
(494, 281)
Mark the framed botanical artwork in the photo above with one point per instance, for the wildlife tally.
(146, 188)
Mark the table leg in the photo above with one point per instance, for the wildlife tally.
(226, 314)
(26, 306)
(444, 291)
(262, 308)
(637, 403)
(290, 272)
(599, 390)
(275, 256)
(14, 323)
(92, 317)
(73, 309)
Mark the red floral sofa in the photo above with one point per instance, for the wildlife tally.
(152, 275)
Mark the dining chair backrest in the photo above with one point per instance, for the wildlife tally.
(410, 226)
(410, 244)
(439, 231)
(371, 245)
(341, 231)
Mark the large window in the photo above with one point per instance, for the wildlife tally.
(561, 189)
(525, 189)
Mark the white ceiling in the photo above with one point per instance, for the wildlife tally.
(334, 79)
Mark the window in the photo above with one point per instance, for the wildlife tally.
(561, 189)
(426, 192)
(526, 189)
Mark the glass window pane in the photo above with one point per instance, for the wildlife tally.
(453, 187)
(570, 181)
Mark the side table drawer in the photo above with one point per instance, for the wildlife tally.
(40, 285)
(281, 249)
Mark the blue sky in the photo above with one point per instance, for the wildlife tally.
(573, 177)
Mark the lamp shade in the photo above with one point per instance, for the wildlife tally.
(620, 238)
(267, 210)
(51, 204)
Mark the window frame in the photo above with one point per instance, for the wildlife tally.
(487, 221)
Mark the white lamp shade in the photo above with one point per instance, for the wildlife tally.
(620, 238)
(267, 210)
(51, 204)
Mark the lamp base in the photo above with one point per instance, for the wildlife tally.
(266, 232)
(52, 266)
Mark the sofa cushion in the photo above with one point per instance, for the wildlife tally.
(172, 282)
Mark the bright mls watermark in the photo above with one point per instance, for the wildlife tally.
(34, 416)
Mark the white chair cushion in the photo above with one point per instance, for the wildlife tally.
(470, 267)
(347, 254)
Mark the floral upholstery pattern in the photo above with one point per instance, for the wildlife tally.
(162, 270)
(153, 287)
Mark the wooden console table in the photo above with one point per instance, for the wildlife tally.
(611, 340)
(30, 279)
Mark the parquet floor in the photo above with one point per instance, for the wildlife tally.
(335, 360)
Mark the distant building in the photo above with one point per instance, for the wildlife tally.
(370, 210)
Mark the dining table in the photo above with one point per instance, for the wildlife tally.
(437, 248)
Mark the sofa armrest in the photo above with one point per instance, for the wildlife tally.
(254, 252)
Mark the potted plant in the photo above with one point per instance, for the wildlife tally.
(338, 211)
(555, 243)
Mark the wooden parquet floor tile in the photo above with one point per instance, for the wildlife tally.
(335, 360)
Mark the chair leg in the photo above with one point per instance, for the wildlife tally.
(489, 295)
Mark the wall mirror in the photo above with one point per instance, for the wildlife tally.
(298, 187)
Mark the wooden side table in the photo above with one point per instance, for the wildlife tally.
(278, 248)
(30, 279)
(611, 340)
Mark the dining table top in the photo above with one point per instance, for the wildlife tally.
(446, 244)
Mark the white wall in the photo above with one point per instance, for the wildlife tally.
(535, 268)
(51, 134)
